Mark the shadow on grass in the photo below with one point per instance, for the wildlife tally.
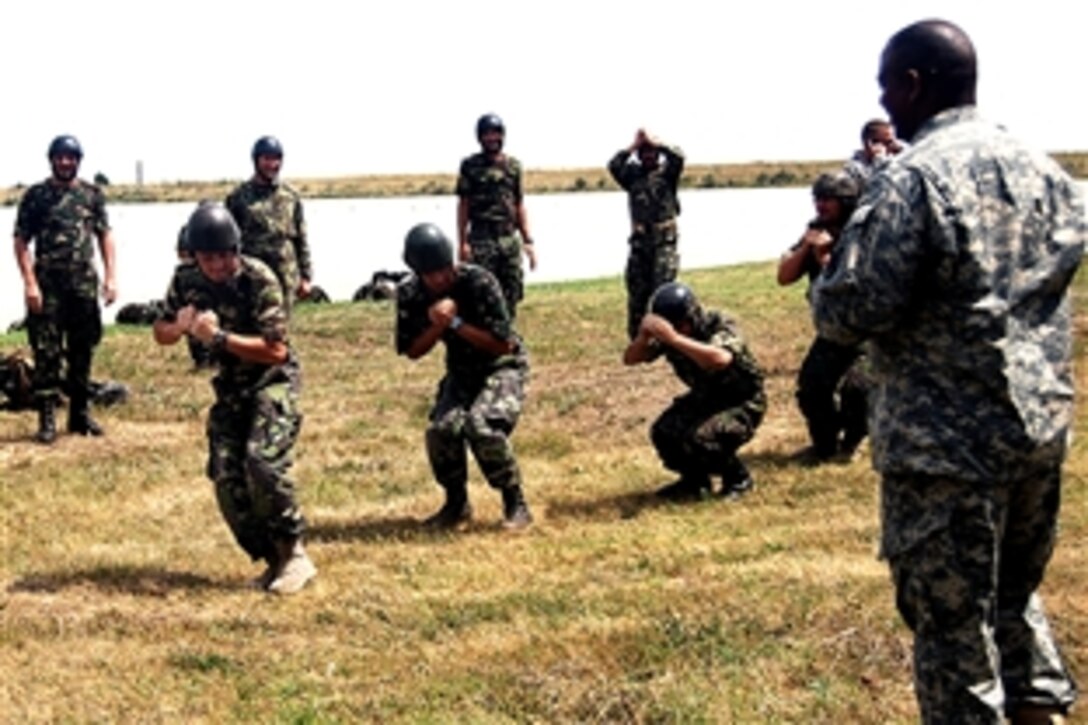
(138, 581)
(398, 529)
(622, 506)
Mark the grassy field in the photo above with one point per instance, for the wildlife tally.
(123, 596)
(537, 181)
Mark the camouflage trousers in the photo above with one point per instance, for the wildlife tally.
(967, 559)
(483, 416)
(833, 392)
(251, 435)
(66, 330)
(697, 439)
(651, 262)
(502, 257)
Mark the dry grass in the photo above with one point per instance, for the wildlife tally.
(123, 595)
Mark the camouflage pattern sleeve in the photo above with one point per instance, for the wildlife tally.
(302, 242)
(618, 167)
(28, 216)
(464, 179)
(269, 311)
(674, 164)
(101, 220)
(411, 313)
(514, 169)
(866, 289)
(490, 311)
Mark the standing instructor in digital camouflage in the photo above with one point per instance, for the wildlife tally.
(956, 267)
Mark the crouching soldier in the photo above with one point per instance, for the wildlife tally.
(699, 434)
(480, 397)
(234, 305)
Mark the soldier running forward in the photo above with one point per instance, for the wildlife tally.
(480, 398)
(956, 267)
(269, 215)
(699, 433)
(649, 171)
(62, 216)
(234, 305)
(492, 227)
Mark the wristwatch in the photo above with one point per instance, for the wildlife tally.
(456, 322)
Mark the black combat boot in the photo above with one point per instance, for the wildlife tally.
(689, 487)
(455, 512)
(515, 512)
(80, 421)
(736, 481)
(47, 421)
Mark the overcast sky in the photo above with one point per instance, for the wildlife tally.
(396, 86)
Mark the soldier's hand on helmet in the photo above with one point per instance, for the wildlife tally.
(658, 328)
(304, 289)
(441, 313)
(33, 295)
(204, 326)
(464, 252)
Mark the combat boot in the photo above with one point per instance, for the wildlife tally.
(47, 421)
(267, 576)
(515, 512)
(455, 512)
(80, 421)
(689, 487)
(295, 567)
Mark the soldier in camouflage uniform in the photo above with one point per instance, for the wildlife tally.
(832, 385)
(62, 216)
(269, 214)
(492, 227)
(699, 434)
(480, 398)
(651, 198)
(956, 267)
(234, 305)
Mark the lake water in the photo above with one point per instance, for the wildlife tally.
(578, 236)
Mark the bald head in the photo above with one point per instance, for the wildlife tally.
(926, 68)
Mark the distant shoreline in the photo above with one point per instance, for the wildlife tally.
(537, 181)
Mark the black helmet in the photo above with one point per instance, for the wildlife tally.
(211, 228)
(183, 239)
(675, 302)
(426, 249)
(836, 186)
(489, 122)
(65, 144)
(267, 146)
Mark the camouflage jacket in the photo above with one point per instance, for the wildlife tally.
(493, 192)
(249, 304)
(956, 265)
(62, 222)
(651, 194)
(273, 228)
(479, 303)
(739, 384)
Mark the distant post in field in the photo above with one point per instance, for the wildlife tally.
(139, 173)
